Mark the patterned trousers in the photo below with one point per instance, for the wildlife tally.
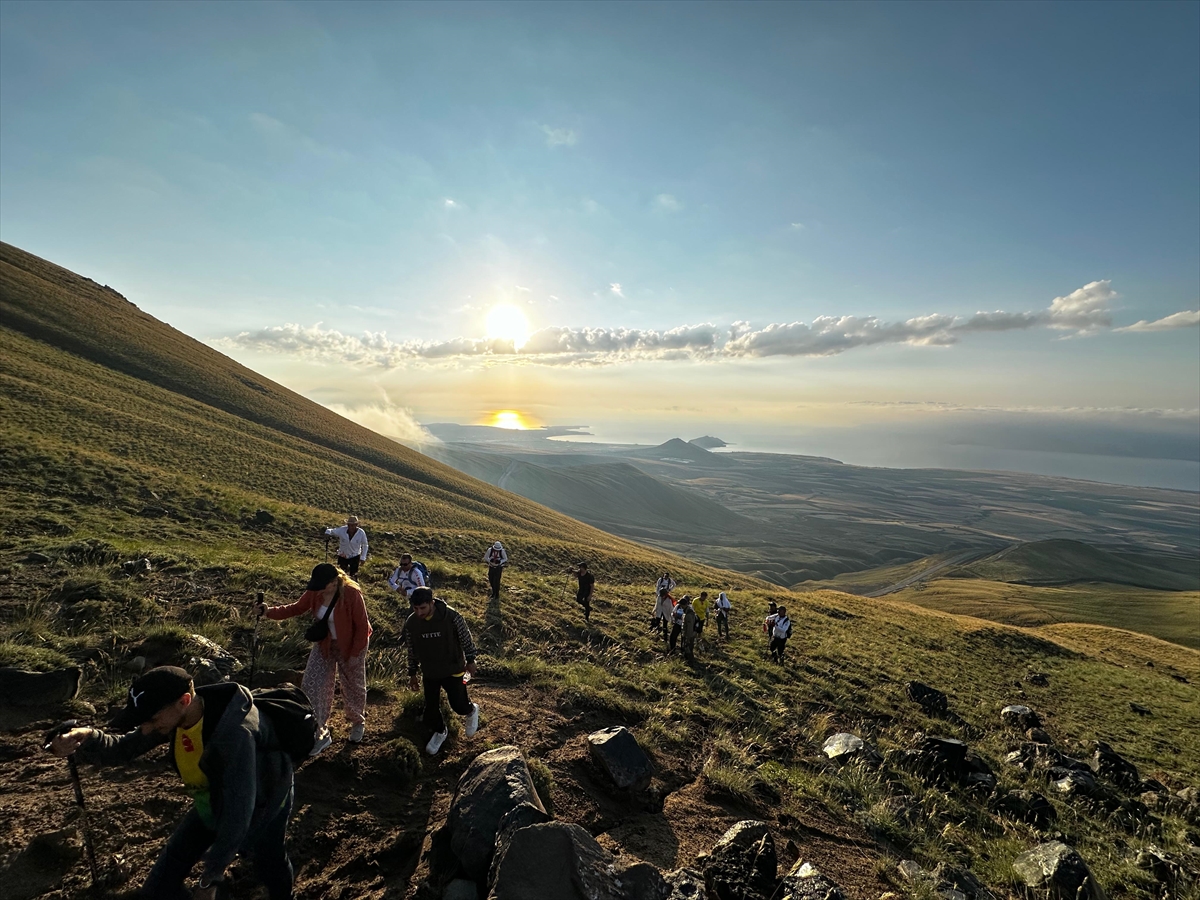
(318, 684)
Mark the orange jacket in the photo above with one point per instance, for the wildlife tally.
(349, 619)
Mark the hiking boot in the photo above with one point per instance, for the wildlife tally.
(356, 733)
(471, 721)
(435, 742)
(322, 742)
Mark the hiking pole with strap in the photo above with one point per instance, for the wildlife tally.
(254, 638)
(563, 595)
(326, 548)
(83, 813)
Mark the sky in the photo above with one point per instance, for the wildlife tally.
(876, 231)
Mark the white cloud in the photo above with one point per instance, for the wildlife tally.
(1188, 318)
(560, 137)
(1082, 311)
(667, 203)
(797, 226)
(392, 421)
(451, 204)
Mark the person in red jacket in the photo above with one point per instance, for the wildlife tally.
(343, 652)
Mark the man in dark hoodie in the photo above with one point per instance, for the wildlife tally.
(439, 643)
(227, 755)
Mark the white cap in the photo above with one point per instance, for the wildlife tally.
(497, 546)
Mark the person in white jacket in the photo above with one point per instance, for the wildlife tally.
(664, 608)
(780, 630)
(496, 558)
(722, 607)
(352, 545)
(406, 577)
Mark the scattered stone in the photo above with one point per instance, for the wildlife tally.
(1072, 782)
(263, 517)
(1109, 764)
(494, 783)
(1060, 869)
(804, 882)
(911, 872)
(844, 747)
(1162, 868)
(34, 557)
(204, 671)
(1151, 785)
(958, 881)
(1179, 678)
(685, 884)
(977, 774)
(931, 700)
(140, 566)
(554, 859)
(617, 752)
(743, 864)
(225, 661)
(1020, 717)
(1029, 807)
(1038, 736)
(41, 865)
(22, 688)
(1140, 710)
(137, 664)
(1038, 679)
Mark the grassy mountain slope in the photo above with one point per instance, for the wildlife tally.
(104, 463)
(1065, 562)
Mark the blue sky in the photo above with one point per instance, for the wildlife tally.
(338, 195)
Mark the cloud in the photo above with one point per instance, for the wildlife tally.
(451, 204)
(667, 203)
(392, 421)
(1188, 318)
(560, 137)
(797, 226)
(1083, 311)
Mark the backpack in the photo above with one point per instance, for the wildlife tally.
(292, 715)
(424, 572)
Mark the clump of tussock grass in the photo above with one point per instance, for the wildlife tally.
(543, 782)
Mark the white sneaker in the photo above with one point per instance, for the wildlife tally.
(471, 721)
(356, 733)
(323, 741)
(435, 742)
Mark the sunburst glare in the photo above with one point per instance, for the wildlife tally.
(506, 322)
(508, 418)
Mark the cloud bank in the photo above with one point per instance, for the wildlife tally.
(1085, 311)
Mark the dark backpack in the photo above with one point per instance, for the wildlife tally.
(424, 572)
(292, 715)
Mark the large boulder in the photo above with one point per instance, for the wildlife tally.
(33, 689)
(1072, 782)
(1058, 868)
(495, 783)
(743, 864)
(845, 747)
(685, 884)
(617, 752)
(931, 700)
(804, 882)
(560, 860)
(1111, 765)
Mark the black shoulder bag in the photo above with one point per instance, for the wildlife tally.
(319, 630)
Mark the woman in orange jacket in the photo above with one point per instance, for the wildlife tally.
(342, 652)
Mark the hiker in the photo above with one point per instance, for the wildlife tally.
(352, 545)
(690, 628)
(664, 583)
(496, 559)
(677, 615)
(587, 584)
(700, 607)
(439, 642)
(664, 608)
(227, 753)
(772, 611)
(781, 630)
(407, 576)
(334, 598)
(722, 606)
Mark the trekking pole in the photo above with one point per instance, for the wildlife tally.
(83, 813)
(563, 595)
(326, 548)
(254, 638)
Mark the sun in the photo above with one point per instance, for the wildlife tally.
(508, 418)
(507, 323)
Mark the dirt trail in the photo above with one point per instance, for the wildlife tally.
(957, 560)
(357, 830)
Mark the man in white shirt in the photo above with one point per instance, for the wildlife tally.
(722, 606)
(352, 545)
(406, 577)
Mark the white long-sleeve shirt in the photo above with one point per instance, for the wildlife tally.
(487, 556)
(349, 547)
(406, 581)
(664, 584)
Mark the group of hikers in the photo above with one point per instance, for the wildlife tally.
(235, 750)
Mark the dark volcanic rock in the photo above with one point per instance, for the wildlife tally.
(32, 689)
(1027, 806)
(263, 517)
(1056, 867)
(844, 747)
(1038, 736)
(1109, 764)
(1038, 679)
(1020, 717)
(933, 701)
(616, 751)
(494, 783)
(804, 882)
(743, 864)
(685, 884)
(1072, 782)
(1140, 710)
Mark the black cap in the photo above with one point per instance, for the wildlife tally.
(149, 693)
(321, 576)
(419, 596)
